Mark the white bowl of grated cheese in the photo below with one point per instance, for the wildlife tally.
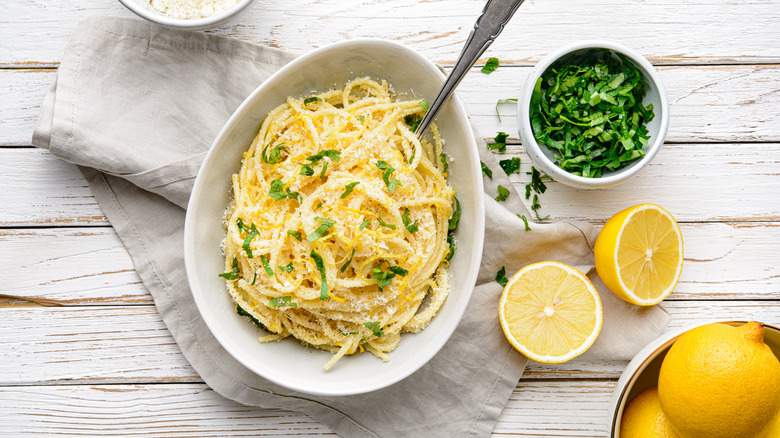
(188, 14)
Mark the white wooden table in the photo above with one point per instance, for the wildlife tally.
(84, 352)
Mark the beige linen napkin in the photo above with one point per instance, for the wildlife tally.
(136, 106)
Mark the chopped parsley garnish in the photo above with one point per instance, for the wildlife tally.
(412, 121)
(275, 155)
(309, 100)
(333, 154)
(503, 192)
(375, 327)
(536, 183)
(501, 277)
(248, 242)
(589, 112)
(384, 278)
(525, 221)
(254, 278)
(347, 334)
(391, 183)
(240, 225)
(361, 119)
(322, 229)
(348, 262)
(490, 66)
(364, 224)
(411, 159)
(282, 302)
(424, 104)
(348, 189)
(296, 234)
(444, 164)
(324, 278)
(240, 310)
(451, 243)
(306, 170)
(500, 142)
(234, 273)
(286, 268)
(535, 208)
(383, 223)
(277, 192)
(453, 223)
(501, 101)
(266, 266)
(324, 169)
(398, 270)
(511, 165)
(486, 170)
(410, 226)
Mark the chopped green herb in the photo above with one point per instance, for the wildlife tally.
(306, 170)
(309, 100)
(254, 278)
(348, 262)
(501, 101)
(412, 121)
(535, 208)
(490, 66)
(486, 170)
(234, 273)
(453, 223)
(364, 224)
(286, 268)
(503, 192)
(500, 142)
(501, 277)
(410, 227)
(525, 221)
(398, 270)
(275, 155)
(318, 206)
(347, 334)
(588, 110)
(247, 243)
(511, 165)
(424, 104)
(296, 234)
(383, 223)
(333, 154)
(266, 266)
(324, 168)
(348, 189)
(388, 170)
(240, 310)
(240, 225)
(384, 278)
(361, 119)
(451, 243)
(324, 278)
(282, 302)
(277, 192)
(375, 327)
(536, 181)
(411, 159)
(444, 164)
(528, 191)
(322, 229)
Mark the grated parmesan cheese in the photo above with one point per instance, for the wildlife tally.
(190, 9)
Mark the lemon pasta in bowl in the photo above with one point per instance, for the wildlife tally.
(321, 221)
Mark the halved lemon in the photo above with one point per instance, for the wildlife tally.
(639, 254)
(550, 312)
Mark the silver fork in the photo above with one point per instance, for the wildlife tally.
(489, 25)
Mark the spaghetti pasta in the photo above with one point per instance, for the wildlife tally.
(339, 230)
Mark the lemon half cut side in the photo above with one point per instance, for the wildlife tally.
(639, 254)
(550, 312)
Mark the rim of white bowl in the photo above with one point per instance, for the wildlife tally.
(158, 17)
(479, 225)
(641, 361)
(524, 121)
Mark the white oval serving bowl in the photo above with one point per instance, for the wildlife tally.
(543, 156)
(642, 372)
(143, 9)
(289, 363)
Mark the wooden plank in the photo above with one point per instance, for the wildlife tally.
(535, 409)
(89, 266)
(723, 32)
(708, 103)
(695, 182)
(97, 345)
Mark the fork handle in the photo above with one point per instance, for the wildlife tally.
(490, 23)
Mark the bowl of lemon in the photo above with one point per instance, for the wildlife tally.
(718, 380)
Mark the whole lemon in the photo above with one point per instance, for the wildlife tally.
(773, 431)
(643, 417)
(720, 381)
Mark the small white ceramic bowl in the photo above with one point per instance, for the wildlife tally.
(290, 363)
(642, 372)
(143, 9)
(543, 156)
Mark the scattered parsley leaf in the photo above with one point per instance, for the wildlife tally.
(247, 243)
(277, 191)
(286, 268)
(296, 234)
(525, 221)
(266, 266)
(412, 121)
(348, 262)
(240, 225)
(275, 155)
(383, 223)
(348, 189)
(500, 142)
(424, 104)
(388, 170)
(445, 166)
(499, 102)
(322, 229)
(453, 223)
(535, 208)
(503, 192)
(347, 334)
(490, 66)
(309, 100)
(234, 273)
(240, 310)
(361, 119)
(501, 277)
(364, 224)
(324, 278)
(282, 302)
(410, 227)
(375, 327)
(306, 170)
(511, 165)
(451, 243)
(324, 168)
(411, 159)
(486, 170)
(536, 181)
(254, 278)
(398, 270)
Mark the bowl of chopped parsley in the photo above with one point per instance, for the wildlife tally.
(593, 114)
